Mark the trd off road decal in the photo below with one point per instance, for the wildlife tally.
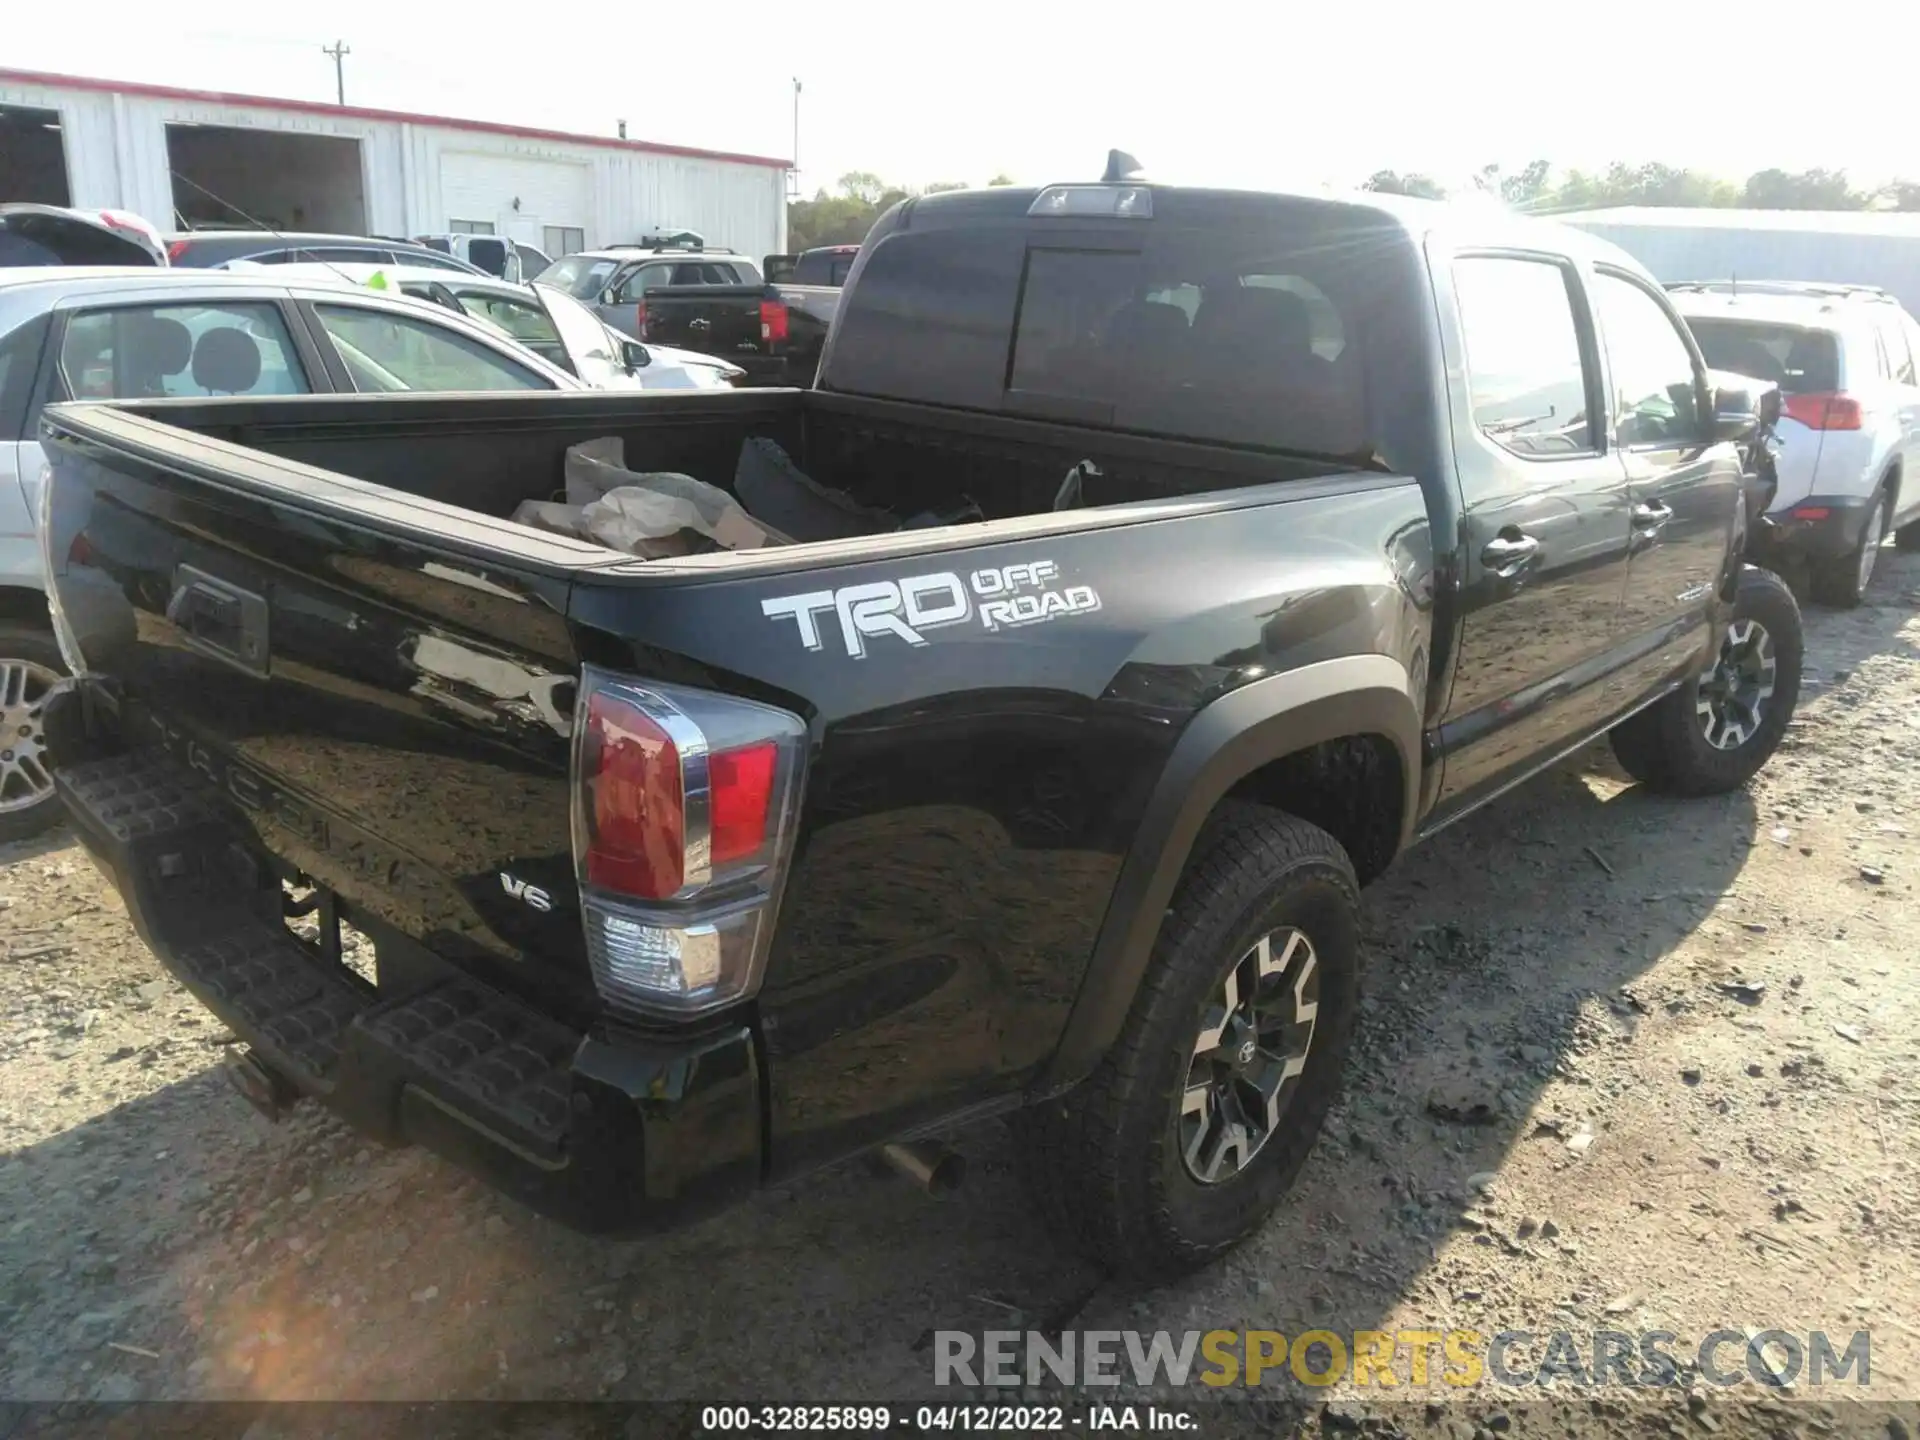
(1002, 598)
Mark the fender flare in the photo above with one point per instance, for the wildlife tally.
(1227, 741)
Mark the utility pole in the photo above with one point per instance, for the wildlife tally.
(339, 50)
(794, 183)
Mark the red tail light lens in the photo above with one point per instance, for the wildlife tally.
(1823, 410)
(773, 321)
(636, 839)
(742, 793)
(640, 320)
(176, 250)
(685, 807)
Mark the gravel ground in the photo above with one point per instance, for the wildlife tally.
(1627, 1063)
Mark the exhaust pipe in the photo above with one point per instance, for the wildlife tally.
(928, 1164)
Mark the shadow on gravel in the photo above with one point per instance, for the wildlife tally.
(295, 1261)
(12, 852)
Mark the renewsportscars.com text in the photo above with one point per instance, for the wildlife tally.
(1388, 1358)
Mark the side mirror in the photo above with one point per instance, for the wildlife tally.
(1735, 424)
(609, 297)
(1742, 407)
(634, 355)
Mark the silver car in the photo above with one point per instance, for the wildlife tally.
(73, 333)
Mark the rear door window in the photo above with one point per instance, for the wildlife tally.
(133, 352)
(1526, 377)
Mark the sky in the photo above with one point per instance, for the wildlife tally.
(1205, 92)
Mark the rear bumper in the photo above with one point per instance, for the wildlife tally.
(1819, 527)
(607, 1132)
(765, 369)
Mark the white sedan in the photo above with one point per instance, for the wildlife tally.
(549, 322)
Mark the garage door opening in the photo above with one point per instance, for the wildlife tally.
(33, 156)
(251, 179)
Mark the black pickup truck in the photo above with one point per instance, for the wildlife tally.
(684, 876)
(775, 332)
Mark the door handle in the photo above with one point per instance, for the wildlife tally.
(1651, 517)
(1506, 555)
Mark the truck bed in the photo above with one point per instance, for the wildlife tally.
(316, 606)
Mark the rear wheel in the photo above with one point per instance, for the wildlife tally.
(1713, 733)
(30, 667)
(1843, 581)
(1199, 1117)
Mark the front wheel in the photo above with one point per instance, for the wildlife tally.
(1713, 733)
(1202, 1113)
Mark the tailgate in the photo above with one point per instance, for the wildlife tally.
(719, 320)
(383, 684)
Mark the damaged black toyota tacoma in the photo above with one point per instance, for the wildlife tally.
(1163, 562)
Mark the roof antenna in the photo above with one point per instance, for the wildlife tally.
(1122, 166)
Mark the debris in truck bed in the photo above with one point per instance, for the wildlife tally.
(651, 514)
(774, 488)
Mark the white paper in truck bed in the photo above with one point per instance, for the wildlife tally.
(651, 514)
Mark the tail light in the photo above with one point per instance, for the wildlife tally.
(683, 818)
(640, 321)
(773, 321)
(176, 250)
(1824, 410)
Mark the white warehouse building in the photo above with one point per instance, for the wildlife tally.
(185, 158)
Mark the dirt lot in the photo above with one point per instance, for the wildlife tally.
(1627, 1064)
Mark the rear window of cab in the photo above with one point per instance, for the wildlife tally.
(1265, 332)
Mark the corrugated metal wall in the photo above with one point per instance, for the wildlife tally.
(1672, 253)
(117, 156)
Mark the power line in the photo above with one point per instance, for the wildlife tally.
(339, 50)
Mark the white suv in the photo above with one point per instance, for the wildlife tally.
(1846, 359)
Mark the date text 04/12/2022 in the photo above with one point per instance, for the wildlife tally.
(927, 1419)
(1001, 597)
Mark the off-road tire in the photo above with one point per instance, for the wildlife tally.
(1837, 582)
(37, 647)
(1103, 1161)
(1665, 746)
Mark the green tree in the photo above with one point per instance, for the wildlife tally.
(1902, 195)
(1001, 179)
(1808, 190)
(1528, 187)
(844, 218)
(1647, 184)
(1392, 182)
(862, 185)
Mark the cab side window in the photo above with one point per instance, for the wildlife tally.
(1526, 378)
(1656, 399)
